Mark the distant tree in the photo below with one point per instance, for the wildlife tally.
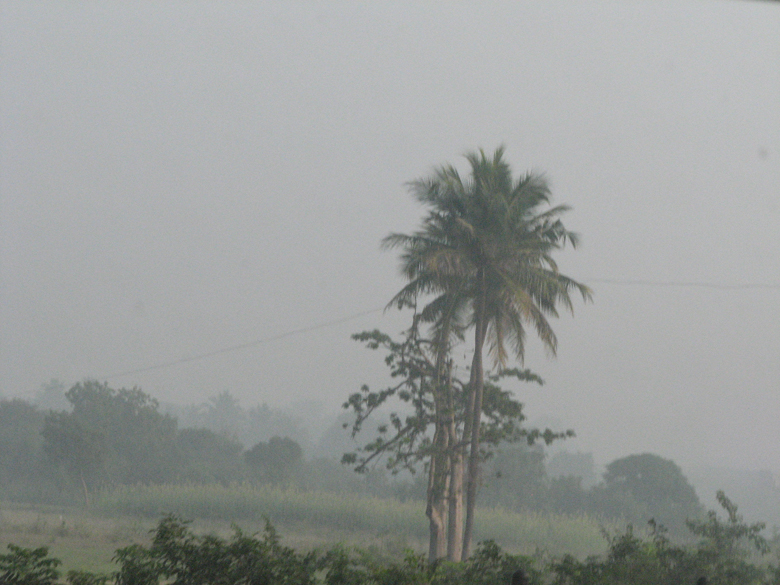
(564, 464)
(224, 415)
(112, 436)
(208, 457)
(646, 486)
(274, 462)
(22, 467)
(566, 495)
(264, 422)
(337, 440)
(81, 450)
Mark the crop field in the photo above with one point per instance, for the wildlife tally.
(87, 538)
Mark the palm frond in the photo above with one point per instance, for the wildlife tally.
(501, 226)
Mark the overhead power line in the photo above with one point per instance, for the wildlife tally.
(691, 284)
(232, 348)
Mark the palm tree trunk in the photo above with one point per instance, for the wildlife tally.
(440, 471)
(436, 509)
(455, 516)
(438, 475)
(474, 415)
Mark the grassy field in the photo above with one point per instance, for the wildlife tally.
(87, 539)
(81, 540)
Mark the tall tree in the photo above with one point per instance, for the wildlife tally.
(485, 251)
(406, 440)
(413, 433)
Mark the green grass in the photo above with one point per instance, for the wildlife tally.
(81, 541)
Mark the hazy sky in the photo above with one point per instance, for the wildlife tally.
(180, 178)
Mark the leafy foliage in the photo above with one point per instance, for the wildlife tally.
(726, 547)
(406, 437)
(489, 565)
(179, 556)
(722, 556)
(87, 578)
(22, 566)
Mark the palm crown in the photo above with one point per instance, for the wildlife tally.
(487, 242)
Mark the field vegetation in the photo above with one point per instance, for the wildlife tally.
(352, 517)
(90, 549)
(87, 539)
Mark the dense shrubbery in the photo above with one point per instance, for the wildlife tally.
(728, 552)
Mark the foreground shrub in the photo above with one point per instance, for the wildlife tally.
(23, 566)
(723, 555)
(489, 565)
(178, 555)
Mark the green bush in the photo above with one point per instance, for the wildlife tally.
(723, 556)
(24, 566)
(179, 555)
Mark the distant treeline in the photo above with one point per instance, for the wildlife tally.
(105, 437)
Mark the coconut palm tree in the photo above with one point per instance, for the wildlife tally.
(484, 257)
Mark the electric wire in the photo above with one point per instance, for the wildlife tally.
(240, 346)
(627, 282)
(689, 284)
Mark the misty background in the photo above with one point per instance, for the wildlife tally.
(203, 187)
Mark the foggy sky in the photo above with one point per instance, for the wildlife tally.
(181, 178)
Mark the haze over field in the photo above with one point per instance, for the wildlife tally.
(184, 178)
